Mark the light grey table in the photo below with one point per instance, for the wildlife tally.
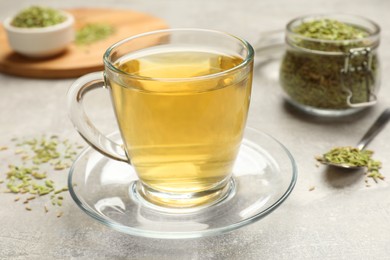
(340, 219)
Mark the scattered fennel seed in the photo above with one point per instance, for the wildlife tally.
(50, 154)
(60, 167)
(93, 32)
(49, 183)
(61, 190)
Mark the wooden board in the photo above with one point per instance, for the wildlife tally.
(78, 60)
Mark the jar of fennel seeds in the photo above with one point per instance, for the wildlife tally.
(331, 66)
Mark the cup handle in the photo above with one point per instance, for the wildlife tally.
(83, 124)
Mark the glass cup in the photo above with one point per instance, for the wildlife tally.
(181, 99)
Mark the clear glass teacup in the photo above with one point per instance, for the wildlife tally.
(181, 99)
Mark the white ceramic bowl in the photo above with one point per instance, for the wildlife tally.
(40, 42)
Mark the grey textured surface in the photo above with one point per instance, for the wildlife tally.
(340, 219)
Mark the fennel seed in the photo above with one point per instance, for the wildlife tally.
(93, 32)
(27, 177)
(352, 156)
(37, 17)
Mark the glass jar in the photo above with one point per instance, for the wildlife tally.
(331, 77)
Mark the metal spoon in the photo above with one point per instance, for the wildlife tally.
(378, 125)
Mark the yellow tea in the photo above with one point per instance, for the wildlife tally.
(181, 123)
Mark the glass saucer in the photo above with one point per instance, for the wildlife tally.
(263, 176)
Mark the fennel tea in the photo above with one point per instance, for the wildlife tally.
(181, 125)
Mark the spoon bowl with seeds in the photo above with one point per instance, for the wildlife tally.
(357, 157)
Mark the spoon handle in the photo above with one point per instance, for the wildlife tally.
(374, 129)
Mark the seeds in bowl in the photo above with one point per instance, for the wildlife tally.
(38, 17)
